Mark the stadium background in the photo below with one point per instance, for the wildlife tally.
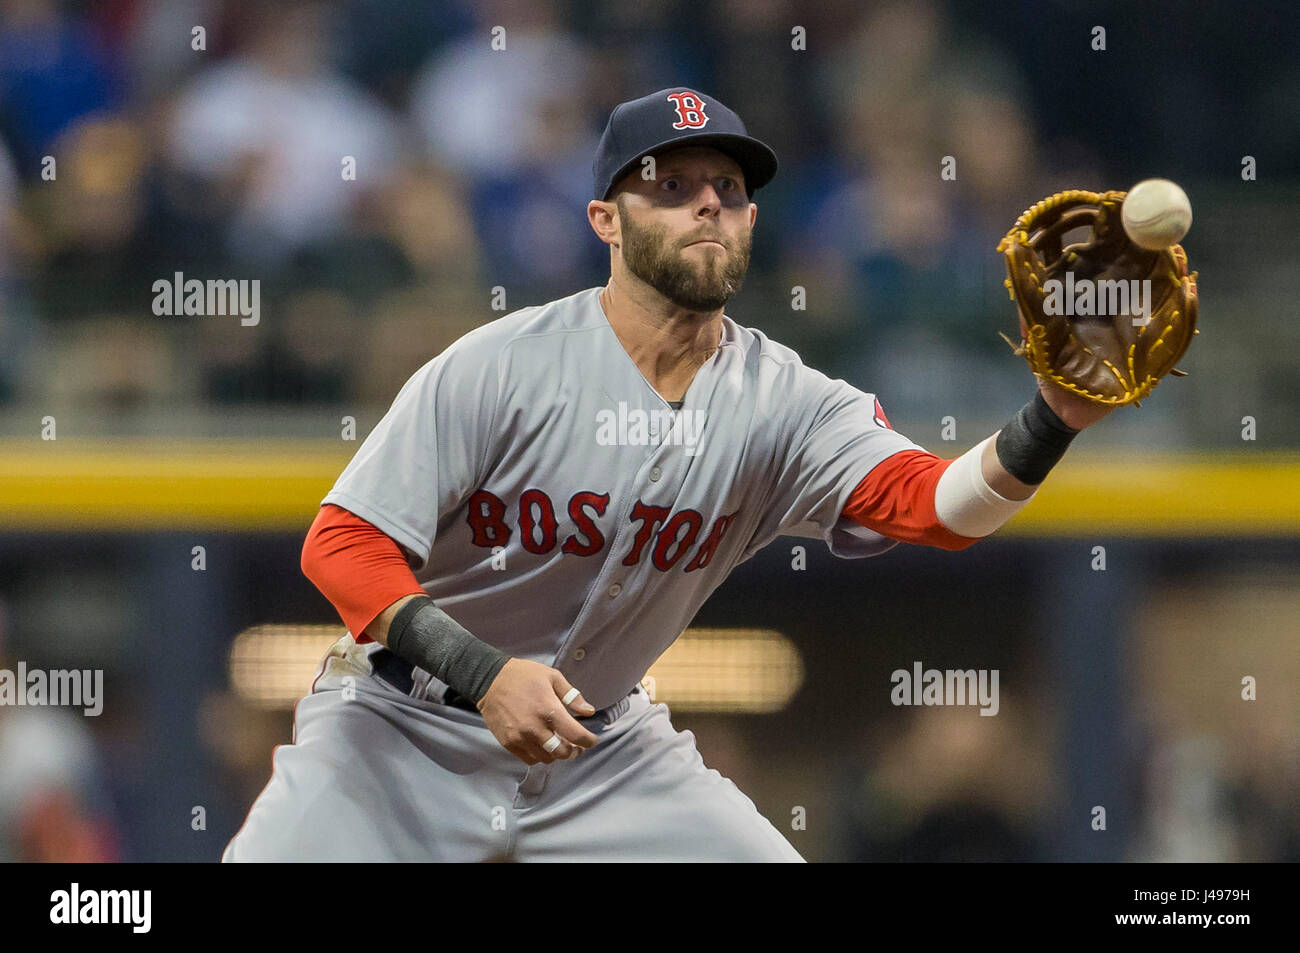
(1119, 687)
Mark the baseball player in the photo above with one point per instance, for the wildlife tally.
(511, 548)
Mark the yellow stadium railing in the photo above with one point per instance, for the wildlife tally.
(75, 484)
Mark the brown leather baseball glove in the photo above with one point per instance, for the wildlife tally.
(1102, 317)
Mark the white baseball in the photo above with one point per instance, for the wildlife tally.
(1156, 214)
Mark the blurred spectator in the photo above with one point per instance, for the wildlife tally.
(409, 328)
(115, 363)
(52, 72)
(315, 349)
(1187, 811)
(49, 790)
(268, 133)
(9, 225)
(19, 329)
(485, 112)
(53, 806)
(950, 786)
(514, 123)
(94, 257)
(383, 42)
(637, 48)
(1226, 795)
(426, 216)
(158, 40)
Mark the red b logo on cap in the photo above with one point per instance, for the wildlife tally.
(690, 111)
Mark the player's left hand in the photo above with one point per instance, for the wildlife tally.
(1116, 349)
(1074, 411)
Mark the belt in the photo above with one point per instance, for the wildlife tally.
(398, 673)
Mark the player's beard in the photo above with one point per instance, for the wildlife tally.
(649, 254)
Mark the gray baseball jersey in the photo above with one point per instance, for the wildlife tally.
(536, 440)
(557, 507)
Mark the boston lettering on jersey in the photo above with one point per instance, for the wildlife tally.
(674, 534)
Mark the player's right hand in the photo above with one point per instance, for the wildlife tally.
(523, 707)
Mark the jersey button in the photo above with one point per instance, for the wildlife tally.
(655, 474)
(615, 589)
(580, 654)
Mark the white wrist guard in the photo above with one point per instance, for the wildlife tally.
(964, 501)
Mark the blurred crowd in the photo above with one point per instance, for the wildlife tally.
(135, 145)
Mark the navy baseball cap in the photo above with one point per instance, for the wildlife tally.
(676, 117)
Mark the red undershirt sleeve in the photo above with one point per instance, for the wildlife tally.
(896, 499)
(356, 566)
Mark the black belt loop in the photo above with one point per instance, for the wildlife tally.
(457, 700)
(389, 668)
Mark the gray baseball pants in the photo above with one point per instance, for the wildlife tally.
(377, 775)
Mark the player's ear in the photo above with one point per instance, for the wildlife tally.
(603, 219)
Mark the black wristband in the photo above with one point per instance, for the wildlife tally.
(1033, 442)
(426, 636)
